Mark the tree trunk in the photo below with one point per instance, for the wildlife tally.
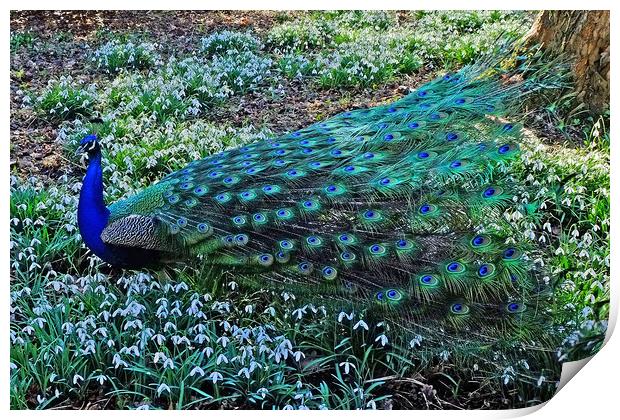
(583, 35)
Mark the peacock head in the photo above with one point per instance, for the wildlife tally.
(89, 144)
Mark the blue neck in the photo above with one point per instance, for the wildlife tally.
(92, 213)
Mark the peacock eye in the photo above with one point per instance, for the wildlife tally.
(452, 136)
(414, 125)
(455, 267)
(504, 149)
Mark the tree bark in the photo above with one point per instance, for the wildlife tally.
(583, 35)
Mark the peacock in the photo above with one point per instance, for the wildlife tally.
(398, 208)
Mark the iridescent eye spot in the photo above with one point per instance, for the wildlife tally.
(456, 164)
(239, 220)
(380, 296)
(385, 181)
(423, 155)
(279, 162)
(479, 241)
(347, 256)
(286, 244)
(369, 155)
(310, 205)
(296, 134)
(229, 180)
(382, 126)
(424, 106)
(459, 309)
(485, 270)
(394, 295)
(305, 267)
(304, 142)
(413, 125)
(452, 136)
(280, 152)
(283, 213)
(168, 193)
(265, 259)
(248, 195)
(459, 101)
(306, 151)
(447, 77)
(391, 110)
(314, 241)
(215, 174)
(515, 307)
(329, 273)
(511, 254)
(222, 198)
(422, 93)
(489, 192)
(259, 218)
(377, 249)
(388, 137)
(403, 244)
(173, 199)
(200, 190)
(435, 116)
(203, 227)
(371, 215)
(428, 280)
(191, 202)
(346, 239)
(507, 127)
(241, 239)
(315, 164)
(490, 108)
(330, 140)
(455, 267)
(251, 171)
(186, 186)
(228, 239)
(331, 188)
(349, 168)
(336, 152)
(182, 221)
(425, 209)
(360, 139)
(283, 257)
(246, 163)
(504, 149)
(293, 173)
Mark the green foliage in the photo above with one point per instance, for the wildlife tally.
(224, 42)
(64, 99)
(19, 40)
(115, 56)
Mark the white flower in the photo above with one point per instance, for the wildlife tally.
(216, 376)
(161, 388)
(362, 324)
(347, 366)
(197, 370)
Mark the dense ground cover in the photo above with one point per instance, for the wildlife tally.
(84, 335)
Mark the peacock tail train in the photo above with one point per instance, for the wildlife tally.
(396, 209)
